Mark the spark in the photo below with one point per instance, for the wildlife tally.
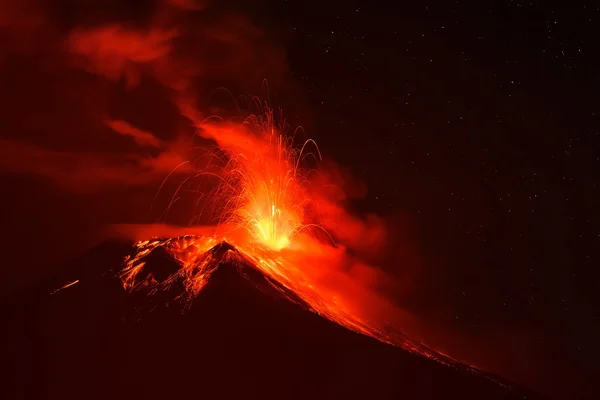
(65, 286)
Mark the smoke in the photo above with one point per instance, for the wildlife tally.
(169, 52)
(101, 101)
(84, 173)
(141, 137)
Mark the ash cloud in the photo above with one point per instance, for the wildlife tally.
(169, 52)
(100, 104)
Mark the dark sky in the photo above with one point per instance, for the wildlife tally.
(479, 122)
(473, 124)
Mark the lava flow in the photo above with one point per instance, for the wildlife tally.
(276, 219)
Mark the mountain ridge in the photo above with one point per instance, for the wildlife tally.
(93, 339)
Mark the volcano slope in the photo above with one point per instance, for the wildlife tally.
(241, 338)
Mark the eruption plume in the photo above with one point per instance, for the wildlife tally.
(268, 213)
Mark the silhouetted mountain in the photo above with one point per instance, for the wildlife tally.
(241, 338)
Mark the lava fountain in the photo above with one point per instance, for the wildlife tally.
(277, 219)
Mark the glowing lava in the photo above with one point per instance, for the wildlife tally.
(265, 209)
(262, 188)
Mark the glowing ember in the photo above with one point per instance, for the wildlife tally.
(67, 285)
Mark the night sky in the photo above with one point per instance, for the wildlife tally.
(478, 122)
(473, 125)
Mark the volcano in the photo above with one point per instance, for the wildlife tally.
(79, 334)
